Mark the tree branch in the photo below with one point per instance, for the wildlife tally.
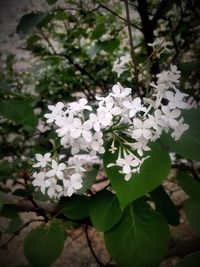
(147, 29)
(132, 48)
(159, 12)
(25, 204)
(91, 248)
(78, 67)
(184, 247)
(118, 16)
(4, 246)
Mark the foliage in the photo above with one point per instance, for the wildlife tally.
(79, 50)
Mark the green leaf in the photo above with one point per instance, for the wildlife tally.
(44, 244)
(191, 260)
(61, 15)
(75, 207)
(189, 144)
(29, 21)
(188, 67)
(88, 181)
(140, 239)
(104, 210)
(110, 46)
(189, 184)
(153, 171)
(19, 111)
(165, 206)
(99, 31)
(192, 212)
(192, 205)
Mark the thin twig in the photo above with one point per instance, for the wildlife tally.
(132, 48)
(117, 15)
(4, 246)
(91, 248)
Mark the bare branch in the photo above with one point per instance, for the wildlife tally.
(4, 246)
(118, 16)
(91, 248)
(184, 247)
(132, 49)
(26, 205)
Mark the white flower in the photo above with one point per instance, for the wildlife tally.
(104, 117)
(141, 146)
(78, 144)
(80, 105)
(57, 170)
(97, 143)
(42, 160)
(119, 65)
(40, 181)
(128, 164)
(170, 116)
(169, 78)
(118, 91)
(179, 129)
(72, 185)
(56, 111)
(81, 129)
(64, 124)
(134, 106)
(156, 120)
(142, 129)
(176, 100)
(77, 163)
(54, 188)
(95, 120)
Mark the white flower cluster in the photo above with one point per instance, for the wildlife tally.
(120, 65)
(58, 179)
(130, 122)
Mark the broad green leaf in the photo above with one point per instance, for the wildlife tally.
(189, 184)
(29, 21)
(44, 244)
(165, 206)
(104, 210)
(19, 111)
(192, 211)
(99, 31)
(88, 181)
(192, 260)
(140, 239)
(189, 144)
(110, 46)
(75, 207)
(153, 171)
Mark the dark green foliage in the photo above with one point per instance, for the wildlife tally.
(140, 239)
(153, 171)
(165, 206)
(104, 210)
(44, 244)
